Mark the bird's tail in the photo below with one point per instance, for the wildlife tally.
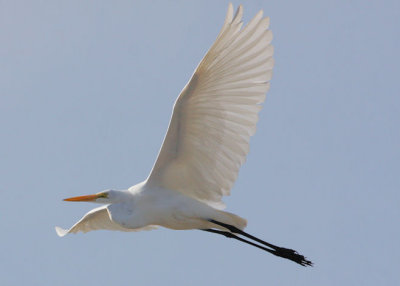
(232, 219)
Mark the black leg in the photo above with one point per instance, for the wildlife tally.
(231, 235)
(278, 251)
(241, 232)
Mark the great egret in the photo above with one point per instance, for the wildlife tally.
(206, 143)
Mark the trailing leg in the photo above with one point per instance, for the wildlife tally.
(231, 235)
(276, 250)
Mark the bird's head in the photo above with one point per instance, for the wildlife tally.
(104, 197)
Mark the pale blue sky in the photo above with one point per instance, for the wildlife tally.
(86, 92)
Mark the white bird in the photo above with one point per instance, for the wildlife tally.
(206, 143)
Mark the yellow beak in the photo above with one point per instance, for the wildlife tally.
(86, 198)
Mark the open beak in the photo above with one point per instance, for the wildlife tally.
(87, 198)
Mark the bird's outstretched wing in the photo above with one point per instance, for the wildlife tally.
(216, 113)
(95, 219)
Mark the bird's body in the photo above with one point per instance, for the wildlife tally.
(206, 143)
(170, 209)
(144, 207)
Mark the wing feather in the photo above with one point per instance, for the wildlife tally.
(216, 113)
(96, 219)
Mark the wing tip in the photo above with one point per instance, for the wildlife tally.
(238, 15)
(229, 13)
(60, 231)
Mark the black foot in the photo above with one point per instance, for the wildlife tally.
(292, 255)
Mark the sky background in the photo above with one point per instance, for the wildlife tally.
(86, 93)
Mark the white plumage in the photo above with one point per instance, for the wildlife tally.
(206, 143)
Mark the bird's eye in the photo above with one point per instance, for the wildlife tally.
(103, 195)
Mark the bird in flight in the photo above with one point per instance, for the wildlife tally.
(206, 143)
